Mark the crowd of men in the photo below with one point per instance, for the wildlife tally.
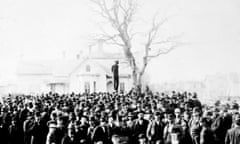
(115, 118)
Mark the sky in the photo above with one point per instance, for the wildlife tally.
(31, 29)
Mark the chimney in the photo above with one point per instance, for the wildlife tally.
(100, 45)
(78, 56)
(63, 54)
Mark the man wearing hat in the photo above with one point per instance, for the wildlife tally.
(139, 125)
(206, 135)
(233, 135)
(91, 128)
(100, 134)
(38, 130)
(194, 125)
(81, 128)
(115, 75)
(155, 129)
(221, 124)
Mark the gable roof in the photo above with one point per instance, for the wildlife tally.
(44, 67)
(66, 67)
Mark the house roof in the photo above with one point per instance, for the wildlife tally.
(104, 55)
(59, 68)
(63, 67)
(44, 67)
(34, 67)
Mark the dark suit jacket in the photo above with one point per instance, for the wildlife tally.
(155, 131)
(138, 128)
(100, 134)
(38, 134)
(220, 127)
(115, 71)
(206, 136)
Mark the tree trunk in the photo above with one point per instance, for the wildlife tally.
(134, 77)
(137, 80)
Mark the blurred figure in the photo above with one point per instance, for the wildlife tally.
(100, 134)
(155, 129)
(70, 138)
(195, 127)
(220, 126)
(176, 135)
(81, 129)
(186, 116)
(115, 76)
(15, 132)
(51, 136)
(139, 126)
(178, 116)
(233, 135)
(38, 133)
(168, 128)
(142, 139)
(27, 127)
(115, 139)
(61, 129)
(206, 135)
(186, 138)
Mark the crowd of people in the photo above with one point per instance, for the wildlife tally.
(116, 118)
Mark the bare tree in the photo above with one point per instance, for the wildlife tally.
(120, 15)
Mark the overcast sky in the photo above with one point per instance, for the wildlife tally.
(43, 29)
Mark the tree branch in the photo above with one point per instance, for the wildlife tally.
(110, 39)
(164, 51)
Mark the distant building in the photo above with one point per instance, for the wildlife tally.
(223, 85)
(87, 73)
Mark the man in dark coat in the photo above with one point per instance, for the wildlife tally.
(81, 129)
(27, 125)
(206, 135)
(233, 135)
(115, 76)
(38, 131)
(155, 130)
(71, 137)
(139, 126)
(100, 134)
(15, 133)
(4, 125)
(23, 114)
(194, 125)
(220, 126)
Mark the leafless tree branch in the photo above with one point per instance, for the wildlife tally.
(120, 14)
(166, 50)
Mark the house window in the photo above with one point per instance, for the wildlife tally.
(87, 87)
(94, 86)
(122, 87)
(88, 68)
